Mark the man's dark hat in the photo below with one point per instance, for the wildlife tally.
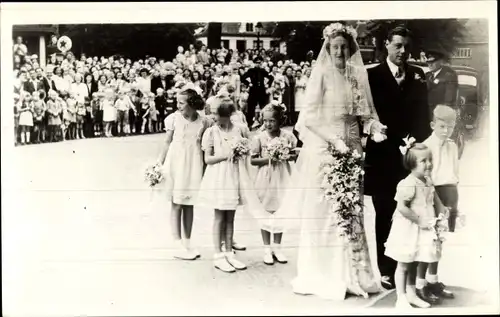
(144, 70)
(436, 54)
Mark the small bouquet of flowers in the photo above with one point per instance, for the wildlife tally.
(239, 149)
(153, 175)
(439, 226)
(279, 150)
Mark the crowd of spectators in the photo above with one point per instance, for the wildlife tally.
(90, 96)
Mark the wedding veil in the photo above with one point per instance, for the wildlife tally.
(360, 103)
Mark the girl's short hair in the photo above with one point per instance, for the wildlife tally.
(279, 113)
(226, 107)
(410, 159)
(194, 100)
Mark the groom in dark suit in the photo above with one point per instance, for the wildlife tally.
(400, 97)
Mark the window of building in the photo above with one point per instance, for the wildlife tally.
(255, 44)
(249, 27)
(462, 53)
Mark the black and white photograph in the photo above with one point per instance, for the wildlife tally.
(314, 158)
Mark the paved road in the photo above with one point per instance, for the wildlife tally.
(83, 235)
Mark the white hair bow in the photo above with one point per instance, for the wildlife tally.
(409, 141)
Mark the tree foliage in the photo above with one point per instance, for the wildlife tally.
(302, 37)
(441, 34)
(130, 40)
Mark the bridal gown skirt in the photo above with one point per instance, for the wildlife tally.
(325, 267)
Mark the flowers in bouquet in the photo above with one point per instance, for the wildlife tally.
(153, 175)
(439, 225)
(239, 149)
(279, 150)
(342, 176)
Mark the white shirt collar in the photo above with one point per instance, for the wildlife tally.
(393, 67)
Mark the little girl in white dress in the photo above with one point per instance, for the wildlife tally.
(272, 179)
(226, 184)
(412, 238)
(182, 161)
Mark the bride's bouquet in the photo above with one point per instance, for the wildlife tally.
(279, 150)
(239, 149)
(153, 175)
(342, 177)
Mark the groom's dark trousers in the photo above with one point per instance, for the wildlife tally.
(403, 109)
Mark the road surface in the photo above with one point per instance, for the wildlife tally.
(83, 235)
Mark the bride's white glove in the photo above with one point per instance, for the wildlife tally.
(340, 145)
(378, 132)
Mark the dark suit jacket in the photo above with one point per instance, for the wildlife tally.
(29, 86)
(43, 84)
(443, 89)
(256, 76)
(404, 110)
(157, 83)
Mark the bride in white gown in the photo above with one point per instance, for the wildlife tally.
(337, 99)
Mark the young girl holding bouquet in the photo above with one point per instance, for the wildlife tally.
(226, 183)
(415, 231)
(272, 149)
(182, 160)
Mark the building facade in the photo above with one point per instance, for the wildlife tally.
(35, 37)
(242, 36)
(473, 51)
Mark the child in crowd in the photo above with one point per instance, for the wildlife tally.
(122, 105)
(70, 118)
(153, 114)
(160, 104)
(38, 115)
(171, 103)
(413, 236)
(95, 104)
(109, 111)
(81, 112)
(445, 180)
(54, 109)
(182, 161)
(17, 107)
(144, 110)
(272, 178)
(26, 117)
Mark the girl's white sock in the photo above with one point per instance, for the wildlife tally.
(187, 243)
(267, 249)
(431, 278)
(22, 137)
(28, 136)
(420, 283)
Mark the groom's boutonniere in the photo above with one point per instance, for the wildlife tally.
(419, 78)
(436, 81)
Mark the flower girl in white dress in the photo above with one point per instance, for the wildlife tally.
(182, 161)
(226, 184)
(273, 176)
